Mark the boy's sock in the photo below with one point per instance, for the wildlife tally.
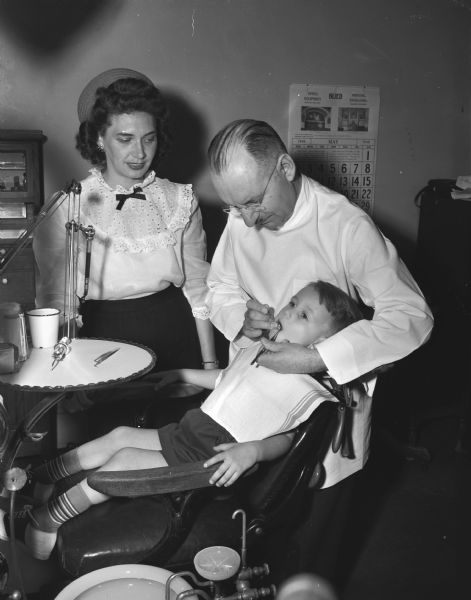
(62, 466)
(52, 471)
(41, 534)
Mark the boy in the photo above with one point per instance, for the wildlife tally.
(249, 417)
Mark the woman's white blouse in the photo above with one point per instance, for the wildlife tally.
(141, 249)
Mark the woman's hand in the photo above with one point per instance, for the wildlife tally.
(235, 460)
(258, 319)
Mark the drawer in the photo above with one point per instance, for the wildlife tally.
(18, 286)
(23, 260)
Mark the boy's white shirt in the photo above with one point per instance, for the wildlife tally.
(253, 403)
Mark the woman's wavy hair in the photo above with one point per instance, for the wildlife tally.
(125, 95)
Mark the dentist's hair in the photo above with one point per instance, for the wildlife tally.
(257, 137)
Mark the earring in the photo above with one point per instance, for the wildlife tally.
(100, 146)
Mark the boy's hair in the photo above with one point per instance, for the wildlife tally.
(343, 309)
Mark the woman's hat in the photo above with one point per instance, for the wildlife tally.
(88, 96)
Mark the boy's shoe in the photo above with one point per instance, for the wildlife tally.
(40, 543)
(21, 520)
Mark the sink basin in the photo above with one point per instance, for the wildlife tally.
(124, 582)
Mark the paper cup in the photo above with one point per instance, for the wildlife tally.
(43, 326)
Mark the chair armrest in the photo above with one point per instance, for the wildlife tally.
(148, 482)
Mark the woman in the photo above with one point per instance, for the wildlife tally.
(149, 250)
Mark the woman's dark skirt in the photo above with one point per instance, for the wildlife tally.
(163, 322)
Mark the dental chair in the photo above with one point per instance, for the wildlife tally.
(165, 516)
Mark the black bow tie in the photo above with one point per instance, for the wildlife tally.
(136, 193)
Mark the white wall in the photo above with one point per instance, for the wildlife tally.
(222, 59)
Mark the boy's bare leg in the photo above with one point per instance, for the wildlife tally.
(99, 451)
(91, 455)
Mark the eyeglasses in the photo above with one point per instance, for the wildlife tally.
(251, 207)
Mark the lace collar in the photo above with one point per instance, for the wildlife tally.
(149, 178)
(145, 225)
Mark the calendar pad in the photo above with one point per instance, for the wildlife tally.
(333, 137)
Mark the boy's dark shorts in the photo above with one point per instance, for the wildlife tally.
(192, 439)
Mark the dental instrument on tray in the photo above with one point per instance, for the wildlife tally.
(61, 349)
(99, 359)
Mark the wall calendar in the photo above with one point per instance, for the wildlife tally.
(332, 137)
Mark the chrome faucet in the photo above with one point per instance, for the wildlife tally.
(244, 589)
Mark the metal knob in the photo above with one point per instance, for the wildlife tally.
(14, 479)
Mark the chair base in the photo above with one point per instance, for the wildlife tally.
(144, 530)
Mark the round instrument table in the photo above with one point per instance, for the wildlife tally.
(78, 370)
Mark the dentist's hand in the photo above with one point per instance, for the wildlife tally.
(259, 320)
(285, 357)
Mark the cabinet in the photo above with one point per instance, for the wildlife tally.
(444, 257)
(444, 260)
(444, 248)
(21, 196)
